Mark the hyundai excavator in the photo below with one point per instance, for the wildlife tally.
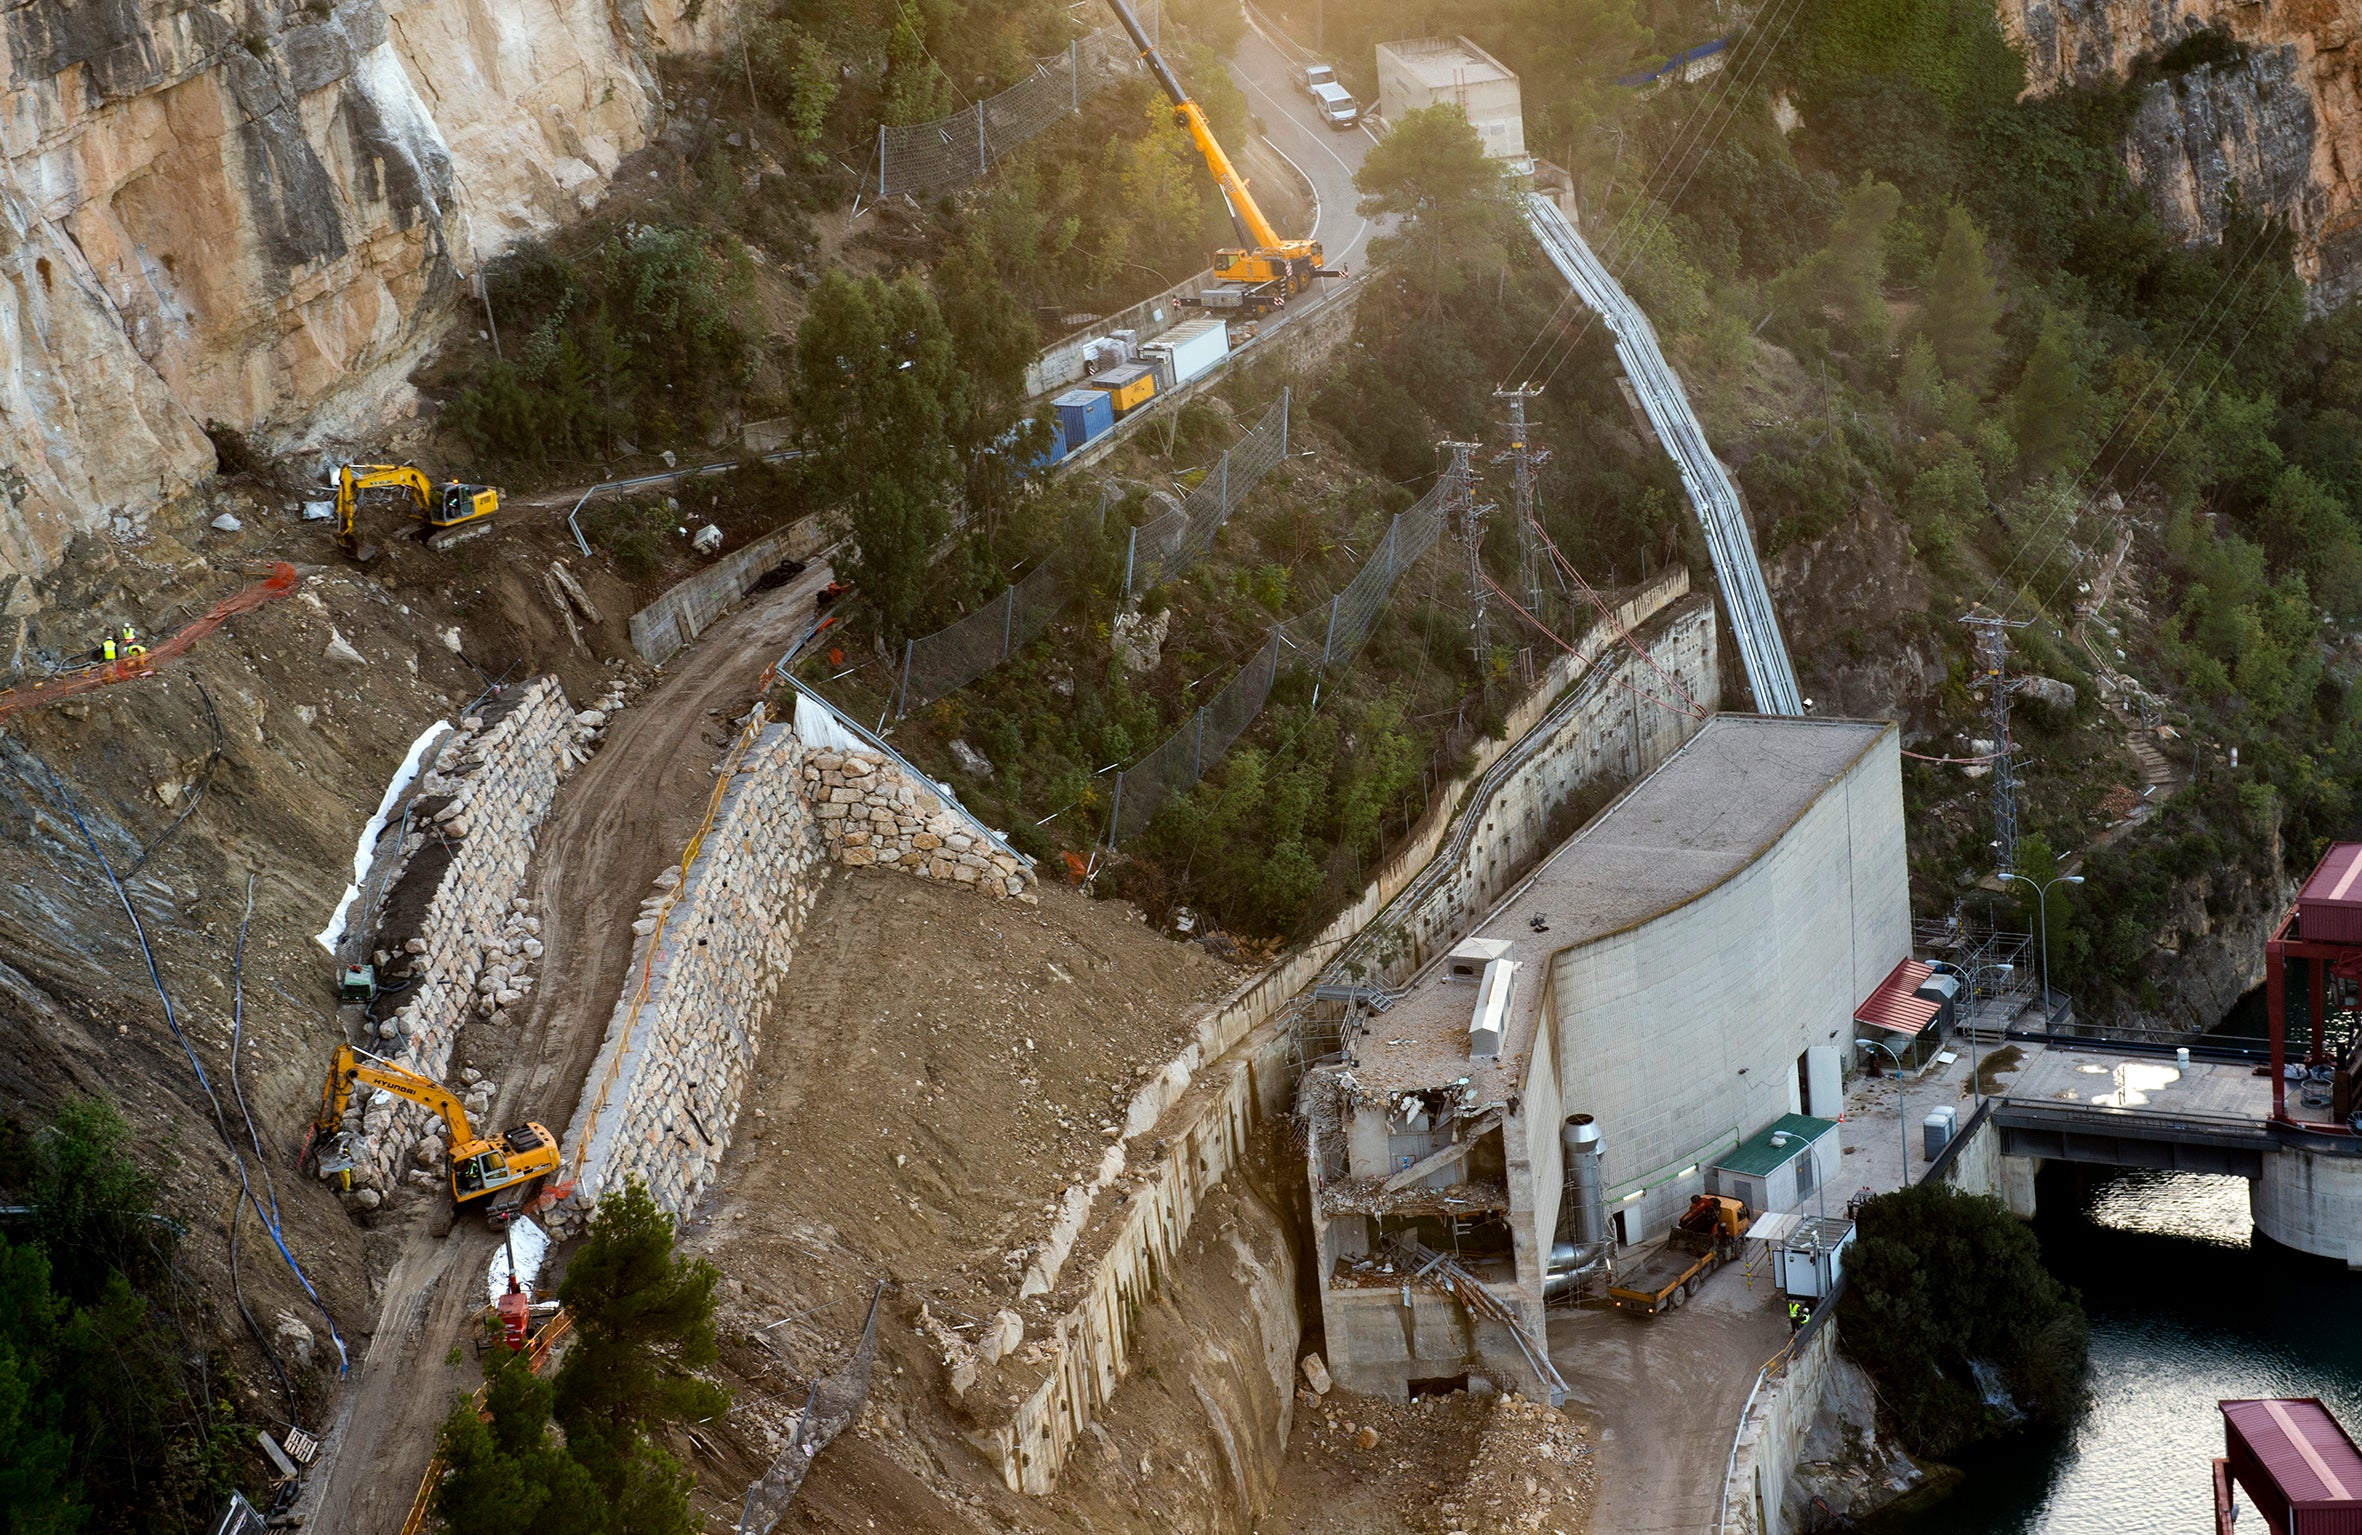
(503, 1171)
(440, 507)
(1264, 271)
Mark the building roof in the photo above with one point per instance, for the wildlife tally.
(1440, 63)
(1895, 1002)
(1704, 814)
(1756, 1156)
(2300, 1446)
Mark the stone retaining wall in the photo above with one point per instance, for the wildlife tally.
(715, 943)
(483, 797)
(871, 812)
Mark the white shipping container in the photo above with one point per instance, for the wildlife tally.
(1194, 346)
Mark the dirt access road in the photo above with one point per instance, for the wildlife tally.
(622, 817)
(1665, 1393)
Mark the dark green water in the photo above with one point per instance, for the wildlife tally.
(2187, 1307)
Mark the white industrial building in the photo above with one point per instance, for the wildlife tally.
(1423, 71)
(1671, 981)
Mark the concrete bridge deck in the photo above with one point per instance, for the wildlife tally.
(2092, 1104)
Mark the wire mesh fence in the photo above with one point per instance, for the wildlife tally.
(1325, 638)
(923, 159)
(1169, 545)
(958, 654)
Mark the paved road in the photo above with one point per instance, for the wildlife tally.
(621, 818)
(1326, 156)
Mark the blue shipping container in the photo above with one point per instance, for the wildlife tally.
(1083, 414)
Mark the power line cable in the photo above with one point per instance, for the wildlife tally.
(2195, 344)
(1711, 96)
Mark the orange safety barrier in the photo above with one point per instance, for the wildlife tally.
(536, 1355)
(282, 582)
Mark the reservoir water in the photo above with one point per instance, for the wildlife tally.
(2187, 1306)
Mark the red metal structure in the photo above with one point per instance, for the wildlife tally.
(2295, 1462)
(2325, 931)
(282, 582)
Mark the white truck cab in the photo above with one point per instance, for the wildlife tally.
(1336, 106)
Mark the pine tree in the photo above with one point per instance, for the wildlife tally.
(1963, 306)
(2052, 404)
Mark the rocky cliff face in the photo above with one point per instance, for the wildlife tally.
(2281, 121)
(258, 213)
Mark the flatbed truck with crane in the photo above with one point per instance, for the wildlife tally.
(1264, 271)
(1708, 1235)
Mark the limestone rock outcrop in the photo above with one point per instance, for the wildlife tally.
(2279, 121)
(261, 214)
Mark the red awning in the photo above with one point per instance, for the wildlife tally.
(1893, 1005)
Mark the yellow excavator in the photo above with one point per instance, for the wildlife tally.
(440, 507)
(480, 1169)
(1264, 271)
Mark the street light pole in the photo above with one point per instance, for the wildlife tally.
(1902, 1120)
(2042, 909)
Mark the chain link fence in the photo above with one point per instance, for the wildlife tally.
(836, 1400)
(1168, 545)
(1329, 636)
(958, 654)
(923, 159)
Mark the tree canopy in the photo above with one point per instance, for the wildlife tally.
(1943, 1288)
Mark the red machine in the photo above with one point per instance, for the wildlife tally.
(2324, 931)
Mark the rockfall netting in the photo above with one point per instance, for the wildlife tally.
(958, 654)
(1320, 641)
(923, 159)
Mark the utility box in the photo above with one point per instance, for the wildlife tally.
(1428, 71)
(1811, 1256)
(1191, 349)
(1127, 388)
(1780, 1166)
(1936, 1131)
(1083, 416)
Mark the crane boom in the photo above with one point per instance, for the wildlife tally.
(1253, 227)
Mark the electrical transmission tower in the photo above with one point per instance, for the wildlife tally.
(1525, 460)
(1991, 638)
(1462, 509)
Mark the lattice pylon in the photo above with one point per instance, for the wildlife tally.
(1991, 638)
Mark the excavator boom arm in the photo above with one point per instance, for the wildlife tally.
(1253, 226)
(350, 1068)
(353, 479)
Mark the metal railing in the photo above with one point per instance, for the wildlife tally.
(1754, 625)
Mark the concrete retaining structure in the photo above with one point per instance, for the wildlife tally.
(715, 943)
(662, 628)
(1614, 737)
(483, 797)
(1238, 1069)
(1772, 1429)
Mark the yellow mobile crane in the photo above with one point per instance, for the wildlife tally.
(1264, 271)
(479, 1168)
